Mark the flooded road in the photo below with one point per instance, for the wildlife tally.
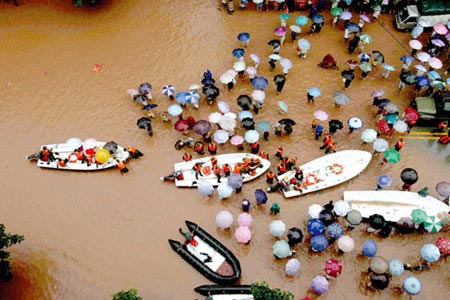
(89, 235)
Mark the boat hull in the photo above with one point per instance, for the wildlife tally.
(206, 289)
(393, 205)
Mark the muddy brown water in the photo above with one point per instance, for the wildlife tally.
(89, 235)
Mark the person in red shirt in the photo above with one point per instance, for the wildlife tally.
(212, 148)
(187, 156)
(270, 176)
(217, 171)
(198, 147)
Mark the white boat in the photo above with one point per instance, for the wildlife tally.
(326, 171)
(230, 297)
(188, 173)
(72, 161)
(393, 205)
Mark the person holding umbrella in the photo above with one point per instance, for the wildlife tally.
(279, 81)
(347, 77)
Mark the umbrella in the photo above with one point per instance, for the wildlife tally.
(378, 93)
(255, 57)
(440, 28)
(341, 98)
(221, 136)
(295, 28)
(396, 267)
(295, 236)
(391, 118)
(405, 224)
(320, 115)
(341, 208)
(279, 78)
(336, 11)
(345, 15)
(301, 20)
(380, 145)
(315, 226)
(430, 252)
(443, 189)
(181, 125)
(214, 117)
(388, 67)
(417, 31)
(435, 63)
(355, 123)
(392, 155)
(281, 249)
(89, 143)
(443, 244)
(400, 126)
(384, 180)
(378, 265)
(434, 75)
(243, 37)
(315, 92)
(144, 123)
(335, 124)
(210, 91)
(409, 176)
(277, 228)
(235, 180)
(181, 97)
(326, 216)
(365, 18)
(223, 106)
(245, 114)
(383, 126)
(352, 27)
(333, 267)
(145, 88)
(365, 38)
(259, 95)
(407, 59)
(286, 64)
(205, 187)
(224, 190)
(423, 56)
(438, 84)
(251, 136)
(224, 219)
(379, 281)
(194, 87)
(74, 143)
(354, 217)
(351, 63)
(227, 122)
(376, 221)
(408, 77)
(168, 90)
(237, 140)
(260, 196)
(292, 267)
(244, 102)
(422, 81)
(283, 106)
(226, 78)
(365, 66)
(391, 107)
(314, 211)
(348, 75)
(415, 44)
(245, 219)
(280, 31)
(418, 216)
(319, 243)
(420, 68)
(251, 71)
(438, 42)
(317, 19)
(202, 127)
(319, 285)
(345, 243)
(260, 83)
(411, 114)
(149, 106)
(304, 44)
(369, 135)
(335, 231)
(262, 126)
(208, 81)
(369, 248)
(274, 43)
(243, 234)
(432, 224)
(378, 56)
(364, 56)
(239, 66)
(412, 285)
(274, 56)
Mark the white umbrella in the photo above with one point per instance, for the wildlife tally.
(369, 135)
(285, 63)
(423, 56)
(255, 58)
(277, 228)
(292, 267)
(89, 143)
(224, 190)
(391, 108)
(205, 187)
(239, 66)
(226, 78)
(314, 211)
(251, 136)
(345, 243)
(259, 95)
(224, 219)
(380, 145)
(74, 143)
(214, 117)
(221, 136)
(341, 208)
(400, 126)
(223, 106)
(227, 122)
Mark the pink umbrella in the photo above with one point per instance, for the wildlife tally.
(280, 31)
(251, 71)
(215, 117)
(259, 95)
(245, 219)
(435, 63)
(237, 140)
(415, 44)
(440, 28)
(320, 115)
(243, 234)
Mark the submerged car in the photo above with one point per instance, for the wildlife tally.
(433, 110)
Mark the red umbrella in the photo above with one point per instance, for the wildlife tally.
(383, 126)
(443, 244)
(411, 115)
(333, 267)
(181, 125)
(191, 121)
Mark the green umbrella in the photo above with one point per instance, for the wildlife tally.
(392, 155)
(418, 216)
(365, 38)
(281, 249)
(365, 66)
(433, 224)
(438, 84)
(336, 11)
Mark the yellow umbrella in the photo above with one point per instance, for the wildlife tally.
(102, 155)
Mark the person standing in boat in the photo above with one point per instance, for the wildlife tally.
(217, 171)
(198, 170)
(46, 155)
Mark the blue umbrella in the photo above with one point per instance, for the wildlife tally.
(192, 97)
(145, 88)
(384, 180)
(335, 231)
(433, 75)
(205, 187)
(150, 106)
(388, 67)
(174, 110)
(315, 226)
(369, 248)
(430, 252)
(407, 58)
(260, 83)
(304, 44)
(412, 285)
(235, 180)
(319, 243)
(251, 136)
(352, 27)
(262, 126)
(416, 31)
(245, 114)
(319, 285)
(243, 36)
(181, 97)
(301, 20)
(207, 74)
(396, 267)
(283, 106)
(168, 90)
(391, 118)
(317, 19)
(284, 16)
(422, 81)
(260, 196)
(345, 15)
(238, 52)
(314, 91)
(224, 190)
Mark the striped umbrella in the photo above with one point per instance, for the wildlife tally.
(433, 224)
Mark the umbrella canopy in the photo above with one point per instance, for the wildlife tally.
(415, 44)
(376, 221)
(314, 91)
(411, 114)
(336, 11)
(408, 77)
(262, 126)
(260, 196)
(365, 66)
(274, 56)
(211, 91)
(319, 285)
(248, 123)
(355, 123)
(202, 127)
(345, 15)
(143, 123)
(430, 252)
(378, 93)
(235, 180)
(224, 219)
(423, 56)
(243, 234)
(422, 81)
(404, 224)
(214, 117)
(370, 248)
(412, 285)
(345, 243)
(251, 136)
(443, 244)
(335, 124)
(407, 59)
(280, 31)
(365, 38)
(205, 187)
(243, 37)
(237, 140)
(314, 211)
(74, 143)
(89, 143)
(317, 19)
(260, 83)
(304, 44)
(341, 208)
(378, 265)
(438, 42)
(440, 28)
(181, 125)
(244, 101)
(348, 74)
(433, 224)
(383, 126)
(443, 189)
(274, 43)
(292, 267)
(320, 115)
(226, 78)
(239, 65)
(295, 28)
(227, 122)
(277, 228)
(279, 78)
(396, 267)
(354, 217)
(145, 88)
(420, 68)
(315, 226)
(379, 281)
(221, 136)
(335, 231)
(384, 180)
(392, 155)
(435, 63)
(286, 64)
(223, 106)
(181, 97)
(283, 106)
(251, 71)
(326, 216)
(245, 219)
(388, 67)
(174, 110)
(365, 18)
(111, 146)
(417, 31)
(255, 57)
(333, 267)
(224, 190)
(418, 216)
(400, 126)
(168, 90)
(259, 95)
(369, 135)
(391, 118)
(409, 176)
(341, 98)
(352, 27)
(301, 20)
(295, 236)
(245, 114)
(319, 243)
(281, 249)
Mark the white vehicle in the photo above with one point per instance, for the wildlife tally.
(426, 13)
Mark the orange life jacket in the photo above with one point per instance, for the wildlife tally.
(237, 169)
(187, 156)
(212, 147)
(400, 144)
(271, 175)
(213, 160)
(132, 150)
(217, 169)
(226, 168)
(62, 163)
(281, 168)
(121, 165)
(264, 154)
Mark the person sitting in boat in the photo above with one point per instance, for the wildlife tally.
(291, 162)
(298, 173)
(281, 185)
(178, 175)
(189, 238)
(299, 187)
(208, 258)
(62, 163)
(46, 155)
(281, 168)
(121, 166)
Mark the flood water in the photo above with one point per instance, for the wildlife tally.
(89, 235)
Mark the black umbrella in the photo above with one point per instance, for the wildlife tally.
(386, 230)
(405, 225)
(210, 91)
(409, 176)
(244, 102)
(335, 124)
(206, 81)
(288, 128)
(287, 121)
(379, 281)
(380, 102)
(111, 146)
(144, 123)
(274, 43)
(248, 123)
(295, 236)
(327, 217)
(408, 77)
(279, 78)
(348, 74)
(376, 221)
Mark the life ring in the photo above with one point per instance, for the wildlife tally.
(206, 170)
(311, 179)
(73, 157)
(336, 169)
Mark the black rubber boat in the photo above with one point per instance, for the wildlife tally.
(210, 257)
(207, 289)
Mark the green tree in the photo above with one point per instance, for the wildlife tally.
(7, 240)
(262, 291)
(126, 295)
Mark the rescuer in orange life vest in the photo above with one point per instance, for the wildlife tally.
(122, 167)
(198, 147)
(217, 171)
(213, 161)
(226, 169)
(279, 153)
(198, 170)
(187, 156)
(212, 148)
(270, 176)
(399, 145)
